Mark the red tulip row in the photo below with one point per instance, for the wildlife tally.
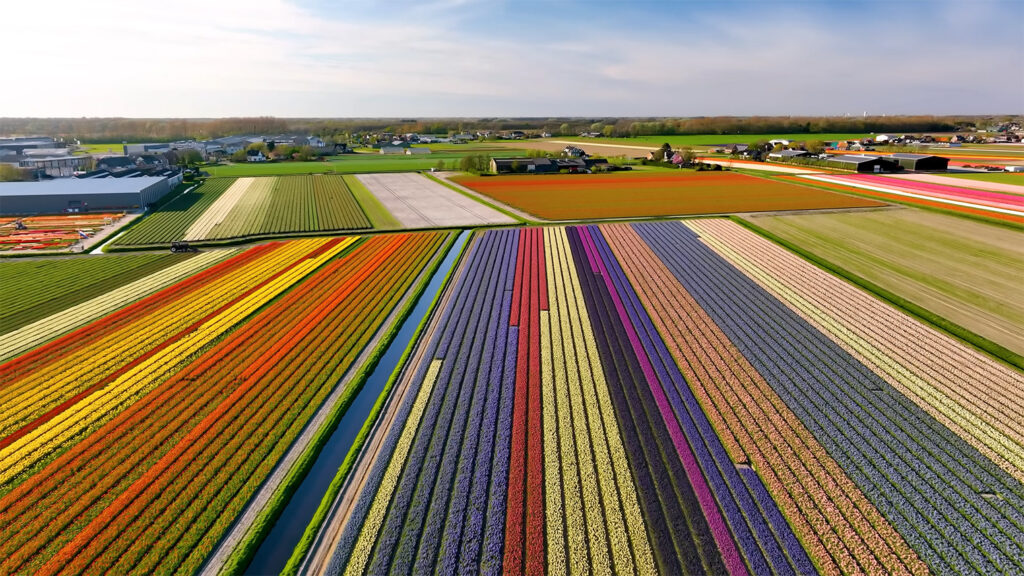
(155, 488)
(524, 525)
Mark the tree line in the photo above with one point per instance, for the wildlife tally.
(95, 130)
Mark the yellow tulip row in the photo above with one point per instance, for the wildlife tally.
(105, 403)
(42, 389)
(378, 510)
(574, 382)
(45, 329)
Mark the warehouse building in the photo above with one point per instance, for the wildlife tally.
(81, 195)
(859, 163)
(920, 161)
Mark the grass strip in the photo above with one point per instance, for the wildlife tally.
(243, 554)
(374, 210)
(977, 341)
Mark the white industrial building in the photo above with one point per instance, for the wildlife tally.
(81, 195)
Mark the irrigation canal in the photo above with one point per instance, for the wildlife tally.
(273, 553)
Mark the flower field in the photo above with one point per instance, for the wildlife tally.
(51, 232)
(131, 444)
(1004, 206)
(571, 197)
(228, 208)
(45, 299)
(683, 397)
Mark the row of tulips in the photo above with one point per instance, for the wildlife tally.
(376, 524)
(175, 469)
(926, 481)
(682, 539)
(55, 325)
(543, 430)
(117, 390)
(767, 545)
(74, 365)
(839, 528)
(600, 501)
(973, 394)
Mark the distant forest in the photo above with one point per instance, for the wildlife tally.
(97, 130)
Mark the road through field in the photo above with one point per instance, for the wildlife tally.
(421, 203)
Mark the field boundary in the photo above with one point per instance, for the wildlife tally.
(520, 217)
(976, 341)
(341, 480)
(348, 387)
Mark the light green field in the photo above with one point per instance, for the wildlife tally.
(375, 211)
(709, 139)
(344, 164)
(1016, 178)
(104, 148)
(963, 270)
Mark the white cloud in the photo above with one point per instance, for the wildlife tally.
(456, 57)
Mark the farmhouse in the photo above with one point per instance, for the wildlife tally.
(860, 163)
(255, 156)
(920, 161)
(75, 195)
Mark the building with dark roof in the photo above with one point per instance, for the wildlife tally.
(81, 195)
(787, 154)
(861, 163)
(56, 166)
(532, 165)
(115, 163)
(920, 162)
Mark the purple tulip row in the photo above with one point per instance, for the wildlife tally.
(925, 480)
(765, 538)
(448, 507)
(682, 540)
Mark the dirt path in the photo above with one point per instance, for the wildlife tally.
(256, 505)
(319, 557)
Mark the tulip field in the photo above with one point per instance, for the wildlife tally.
(44, 299)
(639, 194)
(681, 397)
(131, 443)
(230, 208)
(999, 205)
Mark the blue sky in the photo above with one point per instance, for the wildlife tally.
(492, 58)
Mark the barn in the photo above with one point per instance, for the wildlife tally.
(81, 195)
(920, 161)
(859, 163)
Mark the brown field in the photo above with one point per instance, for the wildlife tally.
(964, 270)
(585, 196)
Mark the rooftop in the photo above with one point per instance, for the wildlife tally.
(855, 158)
(78, 186)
